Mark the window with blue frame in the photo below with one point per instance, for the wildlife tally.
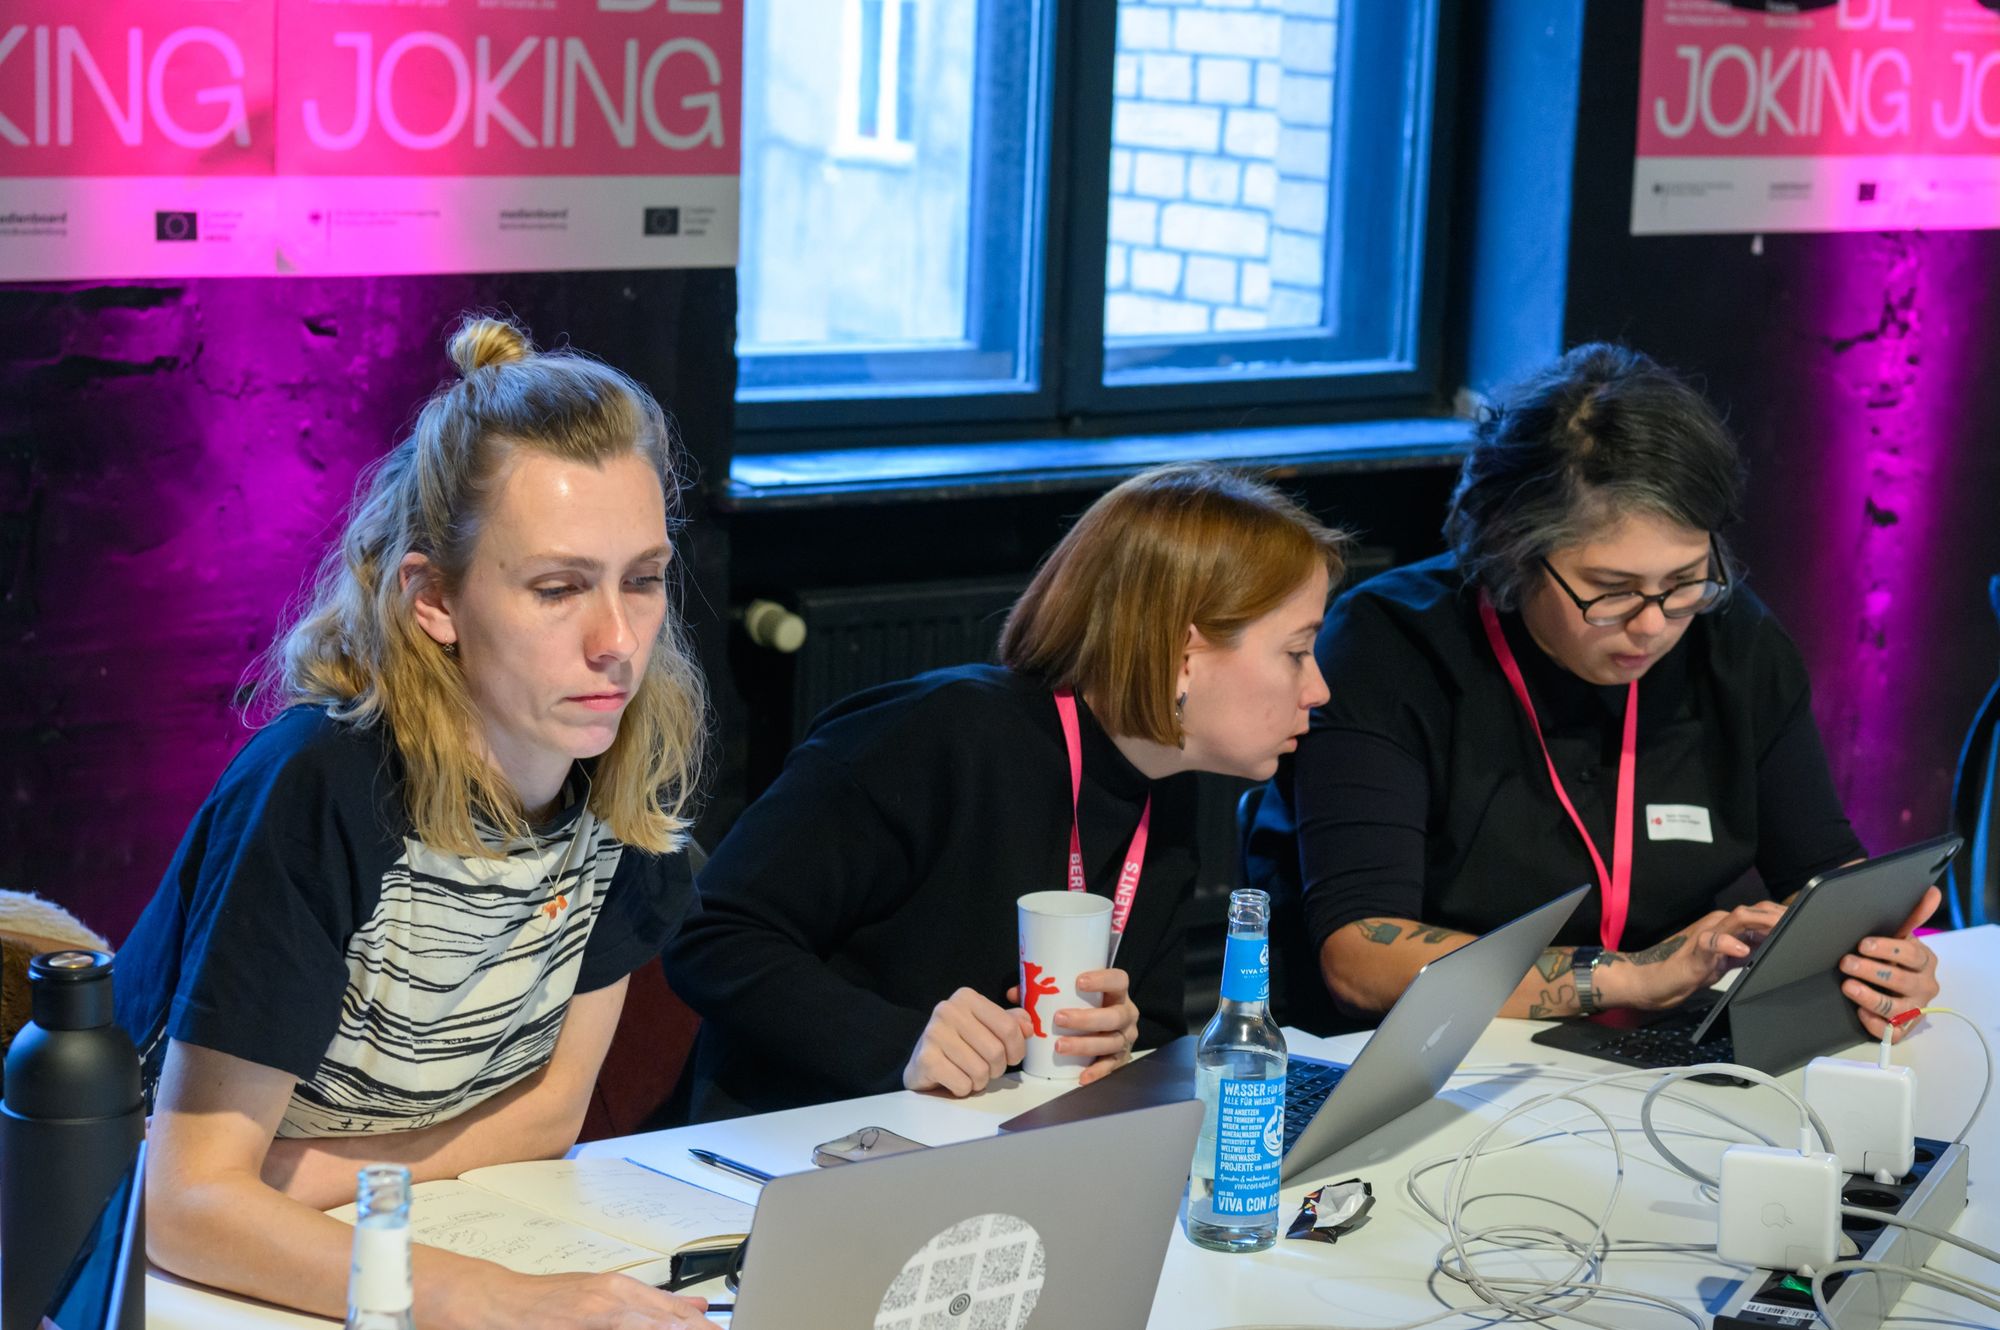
(1029, 213)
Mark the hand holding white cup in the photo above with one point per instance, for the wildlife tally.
(1063, 934)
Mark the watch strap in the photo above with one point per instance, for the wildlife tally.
(1583, 968)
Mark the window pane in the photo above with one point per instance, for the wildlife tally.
(868, 58)
(1266, 184)
(906, 73)
(890, 251)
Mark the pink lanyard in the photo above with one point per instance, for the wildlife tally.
(1135, 855)
(1616, 885)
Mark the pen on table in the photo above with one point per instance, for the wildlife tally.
(728, 1165)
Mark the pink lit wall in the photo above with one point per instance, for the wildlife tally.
(172, 457)
(1859, 371)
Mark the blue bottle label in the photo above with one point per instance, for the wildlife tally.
(1246, 969)
(1249, 1140)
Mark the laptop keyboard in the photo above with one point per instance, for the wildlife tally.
(1669, 1047)
(1307, 1084)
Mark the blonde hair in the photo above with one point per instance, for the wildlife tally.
(354, 645)
(1186, 545)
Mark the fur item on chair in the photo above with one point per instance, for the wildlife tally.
(30, 926)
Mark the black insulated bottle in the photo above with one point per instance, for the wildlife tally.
(70, 1125)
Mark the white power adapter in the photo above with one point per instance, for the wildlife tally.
(1871, 1111)
(1780, 1208)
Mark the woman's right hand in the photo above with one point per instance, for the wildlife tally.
(970, 1041)
(572, 1302)
(1674, 969)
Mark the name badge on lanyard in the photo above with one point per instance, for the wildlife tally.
(1135, 854)
(1615, 884)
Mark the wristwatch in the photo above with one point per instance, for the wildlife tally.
(1583, 967)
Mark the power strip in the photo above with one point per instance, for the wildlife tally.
(1933, 1193)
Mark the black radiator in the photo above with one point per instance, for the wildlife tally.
(857, 637)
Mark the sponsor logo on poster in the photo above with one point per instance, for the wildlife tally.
(175, 225)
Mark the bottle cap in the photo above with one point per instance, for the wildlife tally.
(72, 966)
(71, 988)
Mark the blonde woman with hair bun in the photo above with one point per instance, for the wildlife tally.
(400, 927)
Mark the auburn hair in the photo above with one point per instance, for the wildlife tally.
(354, 645)
(1188, 545)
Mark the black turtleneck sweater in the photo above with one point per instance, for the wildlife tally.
(1420, 792)
(878, 875)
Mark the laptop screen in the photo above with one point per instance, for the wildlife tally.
(104, 1288)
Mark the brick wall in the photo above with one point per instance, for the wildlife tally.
(1220, 151)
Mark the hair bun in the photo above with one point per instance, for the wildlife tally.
(481, 341)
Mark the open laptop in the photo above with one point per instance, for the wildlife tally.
(1786, 1007)
(1075, 1220)
(1330, 1105)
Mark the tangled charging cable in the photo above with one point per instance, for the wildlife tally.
(1564, 1295)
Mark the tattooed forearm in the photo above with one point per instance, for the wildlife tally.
(1555, 963)
(1379, 930)
(1557, 1001)
(1656, 953)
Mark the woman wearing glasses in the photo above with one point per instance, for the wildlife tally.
(1579, 691)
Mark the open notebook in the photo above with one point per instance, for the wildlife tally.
(565, 1216)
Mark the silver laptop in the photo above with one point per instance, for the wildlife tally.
(1420, 1042)
(1076, 1217)
(1331, 1105)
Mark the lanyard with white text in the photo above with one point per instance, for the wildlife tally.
(1616, 884)
(1135, 855)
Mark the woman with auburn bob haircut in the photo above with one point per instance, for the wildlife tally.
(400, 926)
(857, 928)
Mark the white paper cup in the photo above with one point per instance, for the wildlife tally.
(1063, 934)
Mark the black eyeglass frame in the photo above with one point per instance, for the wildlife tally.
(1718, 578)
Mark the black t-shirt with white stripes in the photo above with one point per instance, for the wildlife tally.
(303, 926)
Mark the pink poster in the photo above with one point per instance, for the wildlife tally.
(1862, 115)
(178, 138)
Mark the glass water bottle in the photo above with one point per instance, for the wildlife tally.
(378, 1282)
(1240, 1077)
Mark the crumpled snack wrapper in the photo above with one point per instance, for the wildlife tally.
(1332, 1210)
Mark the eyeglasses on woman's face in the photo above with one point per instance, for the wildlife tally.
(1682, 600)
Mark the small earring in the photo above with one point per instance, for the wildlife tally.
(1180, 722)
(451, 648)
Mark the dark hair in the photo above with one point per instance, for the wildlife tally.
(1603, 433)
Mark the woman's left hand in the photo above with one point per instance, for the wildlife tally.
(1106, 1033)
(1887, 976)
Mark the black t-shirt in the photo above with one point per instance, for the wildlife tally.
(302, 926)
(1420, 792)
(878, 875)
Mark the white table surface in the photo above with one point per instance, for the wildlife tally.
(1382, 1272)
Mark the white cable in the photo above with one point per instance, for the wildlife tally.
(1928, 1230)
(1493, 1290)
(1543, 1299)
(1552, 1073)
(1563, 1074)
(1965, 1288)
(1809, 1119)
(1500, 1292)
(1984, 1047)
(1414, 1191)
